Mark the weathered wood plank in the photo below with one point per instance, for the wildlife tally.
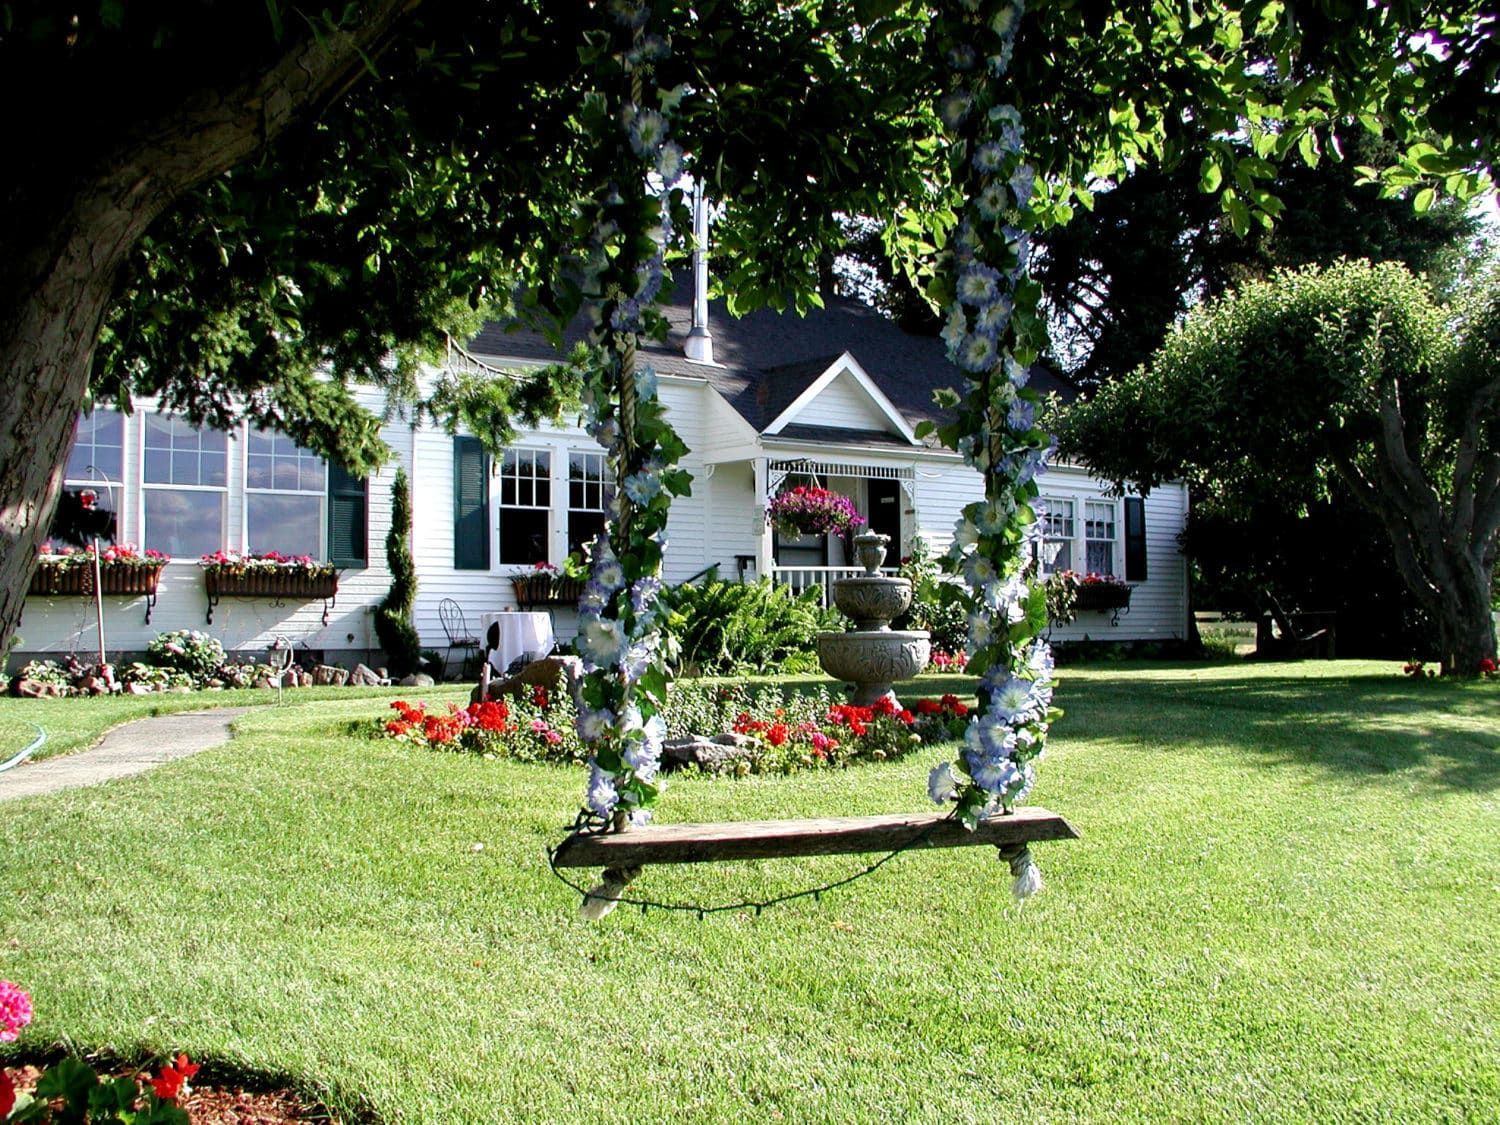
(773, 839)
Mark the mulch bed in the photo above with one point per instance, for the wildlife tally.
(229, 1104)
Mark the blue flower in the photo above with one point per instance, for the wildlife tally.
(992, 201)
(993, 516)
(627, 13)
(648, 129)
(942, 783)
(977, 353)
(642, 488)
(1039, 661)
(1023, 182)
(962, 57)
(1014, 701)
(645, 382)
(608, 573)
(997, 776)
(593, 725)
(669, 163)
(953, 108)
(1022, 414)
(979, 570)
(600, 640)
(1016, 372)
(987, 739)
(994, 317)
(602, 794)
(978, 285)
(644, 594)
(981, 630)
(636, 661)
(988, 157)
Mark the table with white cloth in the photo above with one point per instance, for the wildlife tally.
(520, 634)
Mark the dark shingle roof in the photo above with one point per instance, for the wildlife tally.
(763, 361)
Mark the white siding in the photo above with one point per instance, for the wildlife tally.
(843, 404)
(1158, 606)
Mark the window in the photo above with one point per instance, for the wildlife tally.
(471, 505)
(525, 505)
(185, 474)
(98, 449)
(1099, 535)
(1058, 529)
(585, 499)
(98, 455)
(284, 489)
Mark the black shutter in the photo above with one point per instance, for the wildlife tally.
(348, 518)
(1135, 539)
(471, 505)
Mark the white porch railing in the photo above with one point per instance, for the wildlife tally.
(801, 578)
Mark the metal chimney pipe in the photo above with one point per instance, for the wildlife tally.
(699, 345)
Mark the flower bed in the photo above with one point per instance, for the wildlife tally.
(782, 735)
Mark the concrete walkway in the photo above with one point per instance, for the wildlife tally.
(129, 749)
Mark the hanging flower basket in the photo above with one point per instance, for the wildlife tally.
(813, 511)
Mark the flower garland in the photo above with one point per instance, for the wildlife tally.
(993, 335)
(620, 273)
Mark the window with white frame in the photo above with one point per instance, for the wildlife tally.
(1099, 536)
(185, 476)
(98, 456)
(585, 499)
(1058, 529)
(285, 489)
(525, 505)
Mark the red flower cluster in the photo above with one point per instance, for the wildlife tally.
(444, 728)
(1486, 667)
(174, 1078)
(857, 720)
(949, 706)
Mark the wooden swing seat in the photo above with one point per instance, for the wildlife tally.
(778, 839)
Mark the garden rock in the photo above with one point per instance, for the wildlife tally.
(711, 754)
(549, 673)
(34, 689)
(365, 676)
(417, 679)
(329, 675)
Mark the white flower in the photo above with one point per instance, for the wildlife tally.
(601, 639)
(979, 570)
(1013, 700)
(645, 382)
(609, 574)
(942, 783)
(966, 535)
(602, 795)
(594, 725)
(980, 633)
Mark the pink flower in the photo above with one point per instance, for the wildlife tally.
(15, 1010)
(538, 726)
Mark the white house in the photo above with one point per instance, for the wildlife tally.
(760, 401)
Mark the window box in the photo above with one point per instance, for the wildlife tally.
(253, 579)
(53, 580)
(546, 589)
(1102, 596)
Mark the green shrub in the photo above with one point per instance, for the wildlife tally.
(393, 623)
(187, 650)
(725, 627)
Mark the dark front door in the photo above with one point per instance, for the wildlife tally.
(885, 515)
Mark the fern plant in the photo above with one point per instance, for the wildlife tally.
(724, 627)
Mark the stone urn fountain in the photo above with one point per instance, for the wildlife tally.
(872, 656)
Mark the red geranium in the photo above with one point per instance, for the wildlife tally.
(173, 1078)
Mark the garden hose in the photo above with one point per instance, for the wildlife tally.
(36, 744)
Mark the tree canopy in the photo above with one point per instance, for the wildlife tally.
(1353, 374)
(226, 214)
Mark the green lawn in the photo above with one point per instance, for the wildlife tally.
(1284, 907)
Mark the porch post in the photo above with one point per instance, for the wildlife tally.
(763, 558)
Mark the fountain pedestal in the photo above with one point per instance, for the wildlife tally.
(872, 656)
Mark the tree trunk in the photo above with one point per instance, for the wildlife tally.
(68, 227)
(1466, 632)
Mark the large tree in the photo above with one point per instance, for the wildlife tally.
(1355, 375)
(226, 204)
